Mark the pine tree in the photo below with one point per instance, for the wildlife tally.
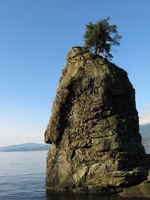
(101, 36)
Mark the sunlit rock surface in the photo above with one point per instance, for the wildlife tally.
(93, 130)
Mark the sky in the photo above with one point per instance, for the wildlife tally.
(35, 37)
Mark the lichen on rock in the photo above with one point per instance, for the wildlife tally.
(94, 129)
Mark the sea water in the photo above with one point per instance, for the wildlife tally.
(22, 176)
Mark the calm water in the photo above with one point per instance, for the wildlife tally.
(22, 176)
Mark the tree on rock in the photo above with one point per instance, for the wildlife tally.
(101, 36)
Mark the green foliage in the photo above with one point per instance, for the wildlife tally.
(84, 50)
(101, 36)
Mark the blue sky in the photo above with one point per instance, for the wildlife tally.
(35, 37)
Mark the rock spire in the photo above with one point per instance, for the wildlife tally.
(93, 130)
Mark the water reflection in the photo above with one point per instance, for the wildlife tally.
(70, 196)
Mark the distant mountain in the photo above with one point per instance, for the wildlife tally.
(25, 147)
(145, 132)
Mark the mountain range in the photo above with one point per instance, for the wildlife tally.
(25, 147)
(145, 132)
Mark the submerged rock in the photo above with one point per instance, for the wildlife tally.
(94, 130)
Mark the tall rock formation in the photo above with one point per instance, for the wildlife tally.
(94, 130)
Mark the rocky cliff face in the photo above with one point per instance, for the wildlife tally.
(94, 131)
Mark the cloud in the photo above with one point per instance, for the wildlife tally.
(144, 116)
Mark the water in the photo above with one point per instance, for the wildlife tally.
(22, 176)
